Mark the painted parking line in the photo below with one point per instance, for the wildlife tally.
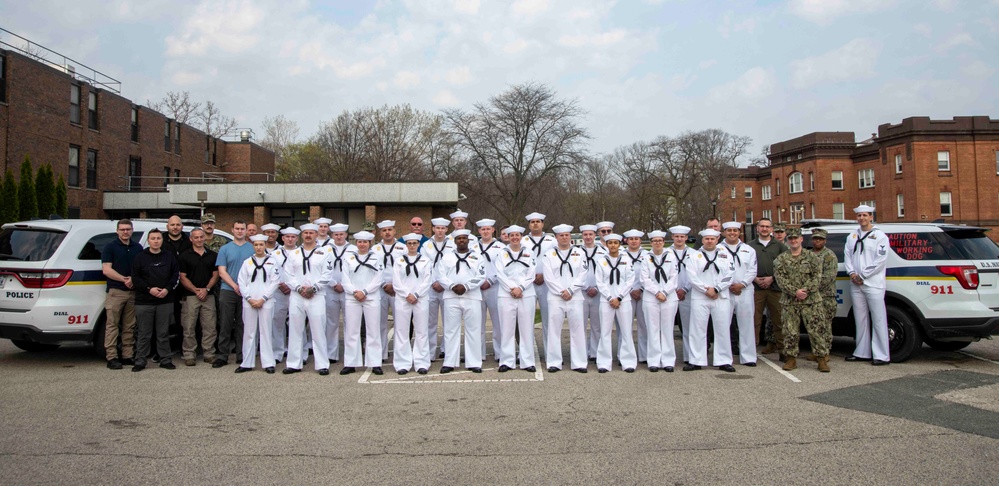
(978, 357)
(779, 369)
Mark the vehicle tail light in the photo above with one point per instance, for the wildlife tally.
(43, 279)
(966, 275)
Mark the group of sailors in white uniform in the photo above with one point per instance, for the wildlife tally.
(609, 281)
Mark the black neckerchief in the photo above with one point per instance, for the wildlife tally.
(305, 259)
(660, 273)
(457, 264)
(253, 278)
(589, 257)
(284, 257)
(440, 251)
(711, 261)
(680, 265)
(412, 265)
(485, 251)
(565, 261)
(365, 262)
(735, 254)
(339, 258)
(515, 260)
(387, 259)
(634, 259)
(615, 274)
(860, 241)
(537, 245)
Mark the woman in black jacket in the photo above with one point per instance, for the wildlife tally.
(154, 275)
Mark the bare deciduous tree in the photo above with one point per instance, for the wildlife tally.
(177, 106)
(211, 120)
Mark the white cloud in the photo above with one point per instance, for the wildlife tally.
(946, 5)
(597, 39)
(755, 83)
(956, 40)
(924, 29)
(854, 60)
(467, 6)
(406, 79)
(733, 24)
(228, 27)
(707, 63)
(977, 69)
(445, 99)
(458, 75)
(529, 8)
(824, 12)
(186, 78)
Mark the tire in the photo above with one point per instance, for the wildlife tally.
(946, 345)
(33, 347)
(904, 336)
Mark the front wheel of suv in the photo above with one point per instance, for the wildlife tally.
(903, 334)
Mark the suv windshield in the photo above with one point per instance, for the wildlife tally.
(29, 244)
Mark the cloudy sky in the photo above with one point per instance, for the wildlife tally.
(770, 70)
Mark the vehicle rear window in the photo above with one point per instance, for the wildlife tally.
(29, 244)
(834, 242)
(92, 248)
(972, 244)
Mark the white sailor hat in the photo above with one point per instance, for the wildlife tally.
(461, 232)
(732, 224)
(612, 236)
(270, 226)
(863, 208)
(256, 238)
(364, 235)
(309, 226)
(679, 230)
(459, 214)
(606, 224)
(709, 232)
(291, 230)
(562, 228)
(587, 227)
(388, 223)
(533, 216)
(657, 234)
(323, 221)
(633, 233)
(440, 222)
(485, 222)
(514, 229)
(412, 237)
(339, 228)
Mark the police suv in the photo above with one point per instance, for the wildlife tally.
(51, 285)
(942, 284)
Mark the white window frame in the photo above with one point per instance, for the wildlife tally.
(898, 163)
(796, 213)
(777, 185)
(837, 176)
(872, 204)
(768, 213)
(811, 181)
(795, 183)
(946, 198)
(865, 178)
(900, 204)
(733, 192)
(812, 209)
(767, 194)
(749, 216)
(747, 192)
(841, 210)
(943, 161)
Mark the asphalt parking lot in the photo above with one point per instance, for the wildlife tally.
(931, 420)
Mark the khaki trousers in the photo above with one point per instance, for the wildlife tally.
(769, 299)
(191, 310)
(119, 309)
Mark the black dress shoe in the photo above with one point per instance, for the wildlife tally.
(579, 370)
(422, 371)
(156, 358)
(552, 369)
(127, 361)
(654, 369)
(690, 367)
(727, 368)
(347, 370)
(751, 365)
(114, 364)
(138, 368)
(855, 358)
(629, 370)
(503, 368)
(402, 372)
(269, 370)
(377, 370)
(593, 359)
(240, 369)
(334, 361)
(602, 370)
(879, 362)
(324, 372)
(239, 358)
(288, 371)
(475, 370)
(219, 363)
(530, 369)
(668, 369)
(642, 361)
(446, 369)
(168, 365)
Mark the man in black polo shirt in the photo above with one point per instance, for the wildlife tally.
(198, 276)
(119, 305)
(176, 241)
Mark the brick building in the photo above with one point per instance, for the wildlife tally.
(919, 170)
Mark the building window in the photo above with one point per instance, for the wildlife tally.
(777, 186)
(766, 195)
(997, 161)
(3, 79)
(946, 209)
(91, 169)
(943, 161)
(837, 180)
(811, 181)
(749, 216)
(135, 123)
(901, 205)
(794, 183)
(176, 175)
(768, 214)
(866, 177)
(166, 176)
(812, 208)
(898, 163)
(166, 136)
(176, 138)
(797, 213)
(74, 104)
(74, 166)
(74, 212)
(92, 120)
(838, 211)
(748, 192)
(134, 173)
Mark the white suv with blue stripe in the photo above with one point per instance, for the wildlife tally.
(942, 285)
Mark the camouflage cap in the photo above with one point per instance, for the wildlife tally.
(819, 233)
(208, 218)
(780, 227)
(793, 232)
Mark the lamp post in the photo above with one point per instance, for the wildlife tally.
(714, 207)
